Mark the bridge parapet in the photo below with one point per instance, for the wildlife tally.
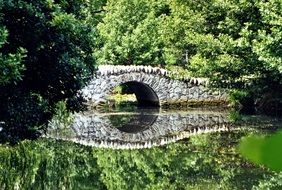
(121, 69)
(106, 70)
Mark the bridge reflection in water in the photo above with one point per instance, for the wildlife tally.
(143, 128)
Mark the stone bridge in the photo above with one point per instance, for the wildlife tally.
(142, 130)
(152, 86)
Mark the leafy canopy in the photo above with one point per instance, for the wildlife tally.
(46, 54)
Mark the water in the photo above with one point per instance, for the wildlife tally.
(140, 149)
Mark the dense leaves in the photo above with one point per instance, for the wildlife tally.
(46, 54)
(47, 48)
(129, 34)
(237, 44)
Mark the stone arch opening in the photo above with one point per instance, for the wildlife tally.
(134, 93)
(145, 95)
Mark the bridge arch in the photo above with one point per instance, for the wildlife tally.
(145, 95)
(147, 88)
(152, 86)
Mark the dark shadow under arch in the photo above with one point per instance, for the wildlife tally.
(140, 120)
(145, 95)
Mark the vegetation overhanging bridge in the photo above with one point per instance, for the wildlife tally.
(152, 86)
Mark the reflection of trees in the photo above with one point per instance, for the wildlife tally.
(48, 165)
(205, 161)
(179, 166)
(120, 120)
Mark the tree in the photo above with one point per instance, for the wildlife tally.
(129, 33)
(233, 43)
(46, 54)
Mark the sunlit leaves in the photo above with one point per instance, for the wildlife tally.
(11, 67)
(133, 38)
(3, 36)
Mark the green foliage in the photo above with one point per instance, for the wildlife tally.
(178, 72)
(242, 100)
(236, 44)
(133, 38)
(263, 150)
(47, 48)
(24, 116)
(11, 66)
(122, 89)
(46, 54)
(235, 116)
(120, 120)
(62, 117)
(117, 90)
(275, 182)
(48, 165)
(122, 97)
(237, 96)
(206, 161)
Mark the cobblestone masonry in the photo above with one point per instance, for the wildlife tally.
(96, 129)
(151, 85)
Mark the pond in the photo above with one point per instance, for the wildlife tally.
(140, 149)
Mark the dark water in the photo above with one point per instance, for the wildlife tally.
(140, 149)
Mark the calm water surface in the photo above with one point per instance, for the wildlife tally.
(140, 149)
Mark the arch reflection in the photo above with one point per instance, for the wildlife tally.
(141, 129)
(135, 122)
